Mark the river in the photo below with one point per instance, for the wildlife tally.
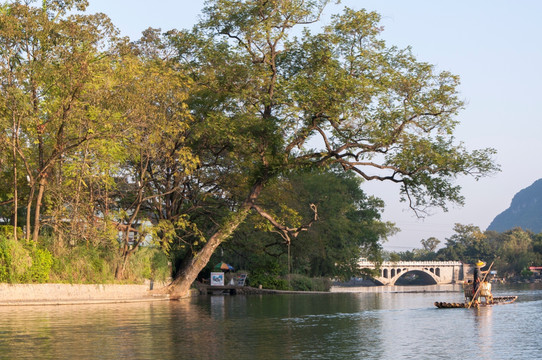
(361, 325)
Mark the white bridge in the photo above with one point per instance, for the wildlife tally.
(432, 272)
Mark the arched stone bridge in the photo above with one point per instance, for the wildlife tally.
(433, 272)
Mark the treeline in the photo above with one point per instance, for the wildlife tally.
(512, 251)
(101, 153)
(189, 140)
(94, 131)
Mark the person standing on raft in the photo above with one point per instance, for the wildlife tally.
(477, 279)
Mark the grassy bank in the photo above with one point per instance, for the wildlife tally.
(25, 262)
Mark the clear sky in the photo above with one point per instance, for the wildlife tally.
(495, 46)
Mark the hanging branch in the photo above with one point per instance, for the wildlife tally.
(286, 232)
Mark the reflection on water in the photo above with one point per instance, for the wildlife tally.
(484, 332)
(376, 325)
(398, 288)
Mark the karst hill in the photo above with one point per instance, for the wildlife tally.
(525, 211)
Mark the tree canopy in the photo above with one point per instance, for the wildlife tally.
(189, 129)
(348, 228)
(267, 103)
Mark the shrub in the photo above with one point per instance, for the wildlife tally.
(305, 283)
(42, 262)
(525, 273)
(13, 260)
(148, 263)
(82, 264)
(7, 230)
(321, 284)
(160, 266)
(267, 281)
(23, 264)
(300, 283)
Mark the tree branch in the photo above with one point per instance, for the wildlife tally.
(284, 231)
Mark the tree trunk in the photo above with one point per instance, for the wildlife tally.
(121, 266)
(185, 277)
(127, 252)
(41, 190)
(29, 212)
(15, 184)
(119, 272)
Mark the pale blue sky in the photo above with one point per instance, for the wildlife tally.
(495, 46)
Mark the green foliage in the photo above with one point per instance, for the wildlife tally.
(7, 230)
(304, 283)
(468, 244)
(537, 244)
(148, 263)
(267, 281)
(23, 264)
(430, 244)
(394, 257)
(525, 273)
(267, 272)
(54, 73)
(348, 226)
(42, 262)
(414, 255)
(83, 265)
(96, 265)
(188, 127)
(14, 260)
(300, 282)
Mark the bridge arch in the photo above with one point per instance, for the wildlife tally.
(427, 277)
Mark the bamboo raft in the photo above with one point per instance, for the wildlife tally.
(497, 300)
(481, 297)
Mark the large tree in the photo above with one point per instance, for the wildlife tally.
(54, 71)
(348, 227)
(266, 103)
(468, 244)
(156, 159)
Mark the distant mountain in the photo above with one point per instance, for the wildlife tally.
(525, 211)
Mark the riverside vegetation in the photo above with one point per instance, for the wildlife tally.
(512, 251)
(235, 140)
(26, 262)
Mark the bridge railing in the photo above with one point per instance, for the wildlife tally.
(366, 263)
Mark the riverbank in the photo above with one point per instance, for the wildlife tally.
(74, 294)
(71, 294)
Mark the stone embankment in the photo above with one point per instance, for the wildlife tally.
(67, 294)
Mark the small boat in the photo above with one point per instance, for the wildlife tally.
(478, 296)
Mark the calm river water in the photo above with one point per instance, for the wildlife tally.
(373, 325)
